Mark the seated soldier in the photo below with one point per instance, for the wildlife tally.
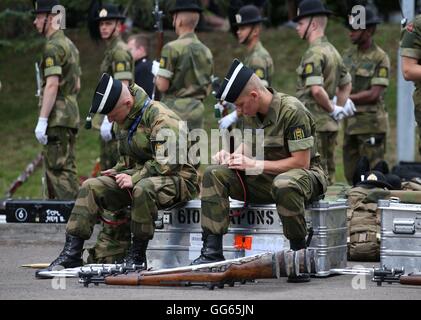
(141, 179)
(292, 174)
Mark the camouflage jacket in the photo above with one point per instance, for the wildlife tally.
(261, 62)
(367, 69)
(188, 64)
(140, 145)
(288, 127)
(411, 42)
(61, 58)
(321, 65)
(118, 61)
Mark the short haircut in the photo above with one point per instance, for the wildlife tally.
(141, 40)
(254, 83)
(321, 21)
(190, 19)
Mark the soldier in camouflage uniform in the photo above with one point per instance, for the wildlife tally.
(292, 173)
(411, 66)
(369, 66)
(186, 67)
(142, 179)
(58, 120)
(106, 24)
(249, 22)
(321, 75)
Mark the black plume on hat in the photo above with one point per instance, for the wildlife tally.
(380, 180)
(234, 82)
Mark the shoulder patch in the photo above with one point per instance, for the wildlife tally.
(309, 69)
(383, 72)
(49, 62)
(298, 133)
(260, 73)
(163, 63)
(120, 67)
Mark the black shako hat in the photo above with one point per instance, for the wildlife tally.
(186, 5)
(106, 95)
(370, 19)
(234, 82)
(380, 180)
(249, 14)
(109, 11)
(309, 8)
(44, 6)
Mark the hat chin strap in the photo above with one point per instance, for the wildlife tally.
(247, 39)
(45, 23)
(308, 28)
(112, 33)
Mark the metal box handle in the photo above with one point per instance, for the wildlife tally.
(406, 226)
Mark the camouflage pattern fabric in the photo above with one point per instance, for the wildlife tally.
(288, 128)
(322, 65)
(363, 226)
(368, 68)
(60, 163)
(156, 185)
(260, 61)
(411, 48)
(118, 62)
(188, 64)
(326, 146)
(373, 146)
(61, 58)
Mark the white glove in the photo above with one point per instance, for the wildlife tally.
(349, 108)
(155, 68)
(41, 130)
(338, 113)
(106, 130)
(228, 120)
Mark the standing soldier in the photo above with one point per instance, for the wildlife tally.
(369, 65)
(105, 23)
(411, 66)
(58, 120)
(249, 23)
(186, 66)
(321, 75)
(145, 179)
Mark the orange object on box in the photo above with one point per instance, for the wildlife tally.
(243, 242)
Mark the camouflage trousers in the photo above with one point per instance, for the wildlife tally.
(99, 196)
(326, 145)
(60, 163)
(290, 191)
(108, 153)
(188, 109)
(373, 146)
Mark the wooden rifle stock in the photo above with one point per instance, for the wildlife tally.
(265, 266)
(411, 280)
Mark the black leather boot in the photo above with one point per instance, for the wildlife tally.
(136, 254)
(70, 256)
(297, 245)
(212, 250)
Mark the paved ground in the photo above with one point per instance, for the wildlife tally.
(22, 244)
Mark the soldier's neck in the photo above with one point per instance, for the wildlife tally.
(364, 46)
(50, 31)
(183, 31)
(315, 35)
(252, 44)
(265, 102)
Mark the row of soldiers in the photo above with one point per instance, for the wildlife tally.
(296, 129)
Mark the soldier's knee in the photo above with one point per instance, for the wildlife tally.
(282, 187)
(214, 171)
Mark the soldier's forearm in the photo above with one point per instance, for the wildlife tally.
(343, 94)
(322, 98)
(48, 100)
(367, 96)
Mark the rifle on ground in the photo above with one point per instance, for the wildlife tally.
(219, 274)
(158, 15)
(396, 276)
(29, 170)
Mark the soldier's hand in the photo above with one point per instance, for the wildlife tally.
(241, 162)
(228, 120)
(338, 113)
(222, 157)
(109, 173)
(349, 108)
(124, 181)
(106, 130)
(41, 130)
